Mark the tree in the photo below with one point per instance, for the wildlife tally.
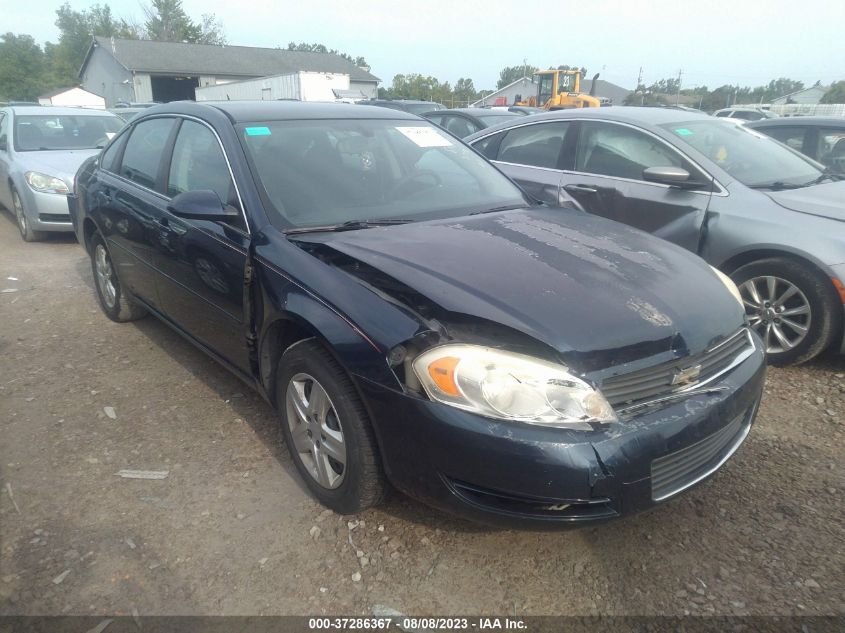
(510, 74)
(166, 21)
(464, 90)
(835, 94)
(76, 28)
(322, 48)
(22, 66)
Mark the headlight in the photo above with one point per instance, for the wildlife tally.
(44, 183)
(509, 386)
(730, 285)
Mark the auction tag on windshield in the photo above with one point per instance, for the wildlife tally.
(682, 131)
(425, 136)
(257, 131)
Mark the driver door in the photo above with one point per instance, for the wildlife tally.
(607, 180)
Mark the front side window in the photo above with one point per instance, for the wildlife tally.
(534, 145)
(620, 151)
(144, 151)
(58, 132)
(319, 172)
(198, 164)
(754, 159)
(831, 149)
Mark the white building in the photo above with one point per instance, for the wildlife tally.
(73, 97)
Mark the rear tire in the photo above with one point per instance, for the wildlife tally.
(792, 305)
(28, 234)
(113, 300)
(333, 446)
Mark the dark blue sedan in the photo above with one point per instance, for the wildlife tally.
(414, 318)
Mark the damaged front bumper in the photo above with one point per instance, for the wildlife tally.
(521, 475)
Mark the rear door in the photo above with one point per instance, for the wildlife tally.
(202, 261)
(131, 203)
(607, 179)
(533, 155)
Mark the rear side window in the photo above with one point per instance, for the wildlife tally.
(534, 145)
(144, 151)
(459, 126)
(792, 136)
(198, 164)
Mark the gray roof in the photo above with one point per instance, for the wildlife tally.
(606, 89)
(204, 59)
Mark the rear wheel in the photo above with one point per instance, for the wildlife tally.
(28, 234)
(112, 298)
(327, 430)
(793, 307)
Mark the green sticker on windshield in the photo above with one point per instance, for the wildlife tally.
(683, 132)
(257, 131)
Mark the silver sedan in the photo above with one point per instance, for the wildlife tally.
(40, 150)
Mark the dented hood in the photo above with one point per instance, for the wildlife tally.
(575, 282)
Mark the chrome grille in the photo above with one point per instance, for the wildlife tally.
(677, 471)
(662, 380)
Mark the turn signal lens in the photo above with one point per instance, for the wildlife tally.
(442, 372)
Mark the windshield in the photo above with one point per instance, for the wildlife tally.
(59, 131)
(752, 158)
(325, 172)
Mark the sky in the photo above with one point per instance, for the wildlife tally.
(745, 42)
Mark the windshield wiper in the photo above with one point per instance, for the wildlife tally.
(825, 176)
(349, 225)
(506, 207)
(777, 185)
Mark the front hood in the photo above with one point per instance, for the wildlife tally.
(826, 200)
(61, 164)
(575, 282)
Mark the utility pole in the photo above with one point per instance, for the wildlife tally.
(640, 86)
(678, 95)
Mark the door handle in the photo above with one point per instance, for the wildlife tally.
(173, 227)
(580, 189)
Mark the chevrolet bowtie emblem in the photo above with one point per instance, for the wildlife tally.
(686, 376)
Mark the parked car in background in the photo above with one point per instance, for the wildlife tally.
(525, 110)
(745, 114)
(41, 147)
(405, 105)
(820, 138)
(465, 121)
(761, 212)
(126, 114)
(414, 318)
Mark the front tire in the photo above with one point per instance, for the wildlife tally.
(793, 306)
(28, 234)
(112, 299)
(327, 430)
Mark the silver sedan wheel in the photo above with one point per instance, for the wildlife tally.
(19, 214)
(105, 275)
(316, 431)
(778, 310)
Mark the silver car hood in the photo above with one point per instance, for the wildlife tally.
(826, 200)
(58, 163)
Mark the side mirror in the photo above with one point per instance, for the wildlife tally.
(672, 176)
(201, 205)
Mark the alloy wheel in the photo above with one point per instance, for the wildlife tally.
(105, 275)
(778, 311)
(316, 430)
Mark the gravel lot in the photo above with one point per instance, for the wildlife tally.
(232, 531)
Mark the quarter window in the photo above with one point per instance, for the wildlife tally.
(620, 151)
(198, 164)
(459, 126)
(831, 150)
(144, 151)
(535, 145)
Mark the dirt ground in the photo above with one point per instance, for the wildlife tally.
(232, 531)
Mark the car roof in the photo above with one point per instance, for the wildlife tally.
(245, 111)
(792, 121)
(58, 111)
(411, 101)
(480, 112)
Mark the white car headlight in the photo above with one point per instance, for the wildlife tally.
(44, 183)
(730, 285)
(509, 386)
